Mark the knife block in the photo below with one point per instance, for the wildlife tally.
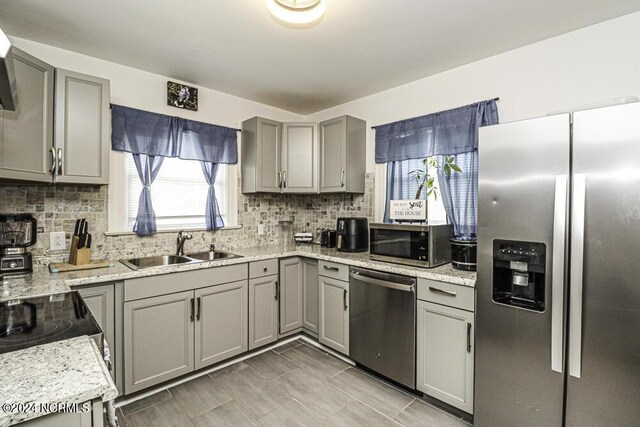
(79, 256)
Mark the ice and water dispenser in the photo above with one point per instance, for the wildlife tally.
(519, 274)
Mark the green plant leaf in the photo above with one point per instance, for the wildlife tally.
(455, 167)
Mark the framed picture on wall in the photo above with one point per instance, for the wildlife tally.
(182, 96)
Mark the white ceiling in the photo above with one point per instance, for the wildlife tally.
(359, 48)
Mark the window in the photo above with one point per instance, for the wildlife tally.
(179, 193)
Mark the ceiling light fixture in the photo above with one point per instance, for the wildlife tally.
(297, 12)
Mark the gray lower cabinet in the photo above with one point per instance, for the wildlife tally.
(310, 293)
(342, 155)
(445, 352)
(261, 156)
(334, 314)
(263, 311)
(94, 417)
(221, 322)
(26, 135)
(291, 294)
(82, 128)
(299, 158)
(158, 339)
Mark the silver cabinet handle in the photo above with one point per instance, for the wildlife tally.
(468, 337)
(193, 309)
(59, 161)
(54, 161)
(558, 274)
(279, 179)
(277, 291)
(342, 178)
(284, 179)
(344, 299)
(198, 311)
(326, 267)
(575, 285)
(442, 291)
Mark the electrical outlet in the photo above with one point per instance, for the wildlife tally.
(260, 229)
(57, 241)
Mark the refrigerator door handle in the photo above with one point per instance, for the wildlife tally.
(558, 269)
(577, 261)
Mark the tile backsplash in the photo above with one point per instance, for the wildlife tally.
(57, 207)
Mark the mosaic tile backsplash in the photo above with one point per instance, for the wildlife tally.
(57, 207)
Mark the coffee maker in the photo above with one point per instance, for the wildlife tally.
(17, 233)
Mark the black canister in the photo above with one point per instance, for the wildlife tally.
(464, 254)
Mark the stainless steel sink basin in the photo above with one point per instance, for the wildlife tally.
(157, 261)
(211, 256)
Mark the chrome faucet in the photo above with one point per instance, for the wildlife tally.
(182, 237)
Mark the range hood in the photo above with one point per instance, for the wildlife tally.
(8, 93)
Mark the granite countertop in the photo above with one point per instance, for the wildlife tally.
(69, 371)
(41, 282)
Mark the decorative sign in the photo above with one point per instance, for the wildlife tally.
(182, 96)
(408, 210)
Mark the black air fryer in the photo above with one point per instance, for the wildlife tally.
(352, 234)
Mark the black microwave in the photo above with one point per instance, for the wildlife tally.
(418, 245)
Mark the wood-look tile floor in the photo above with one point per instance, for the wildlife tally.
(293, 385)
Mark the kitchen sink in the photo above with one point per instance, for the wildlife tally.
(157, 261)
(211, 256)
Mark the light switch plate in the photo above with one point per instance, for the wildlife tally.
(57, 241)
(260, 229)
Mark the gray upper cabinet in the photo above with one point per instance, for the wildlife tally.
(26, 135)
(158, 339)
(291, 293)
(299, 158)
(261, 156)
(334, 314)
(310, 292)
(221, 313)
(342, 155)
(263, 311)
(82, 128)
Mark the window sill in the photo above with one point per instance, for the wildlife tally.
(169, 230)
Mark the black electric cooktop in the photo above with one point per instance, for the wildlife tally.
(34, 321)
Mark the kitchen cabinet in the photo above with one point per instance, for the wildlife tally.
(26, 135)
(299, 158)
(261, 156)
(221, 322)
(92, 418)
(342, 155)
(333, 328)
(445, 343)
(291, 294)
(82, 128)
(263, 311)
(158, 339)
(310, 294)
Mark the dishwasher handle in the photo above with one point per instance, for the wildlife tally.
(356, 275)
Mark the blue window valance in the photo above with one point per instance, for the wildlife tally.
(152, 134)
(447, 132)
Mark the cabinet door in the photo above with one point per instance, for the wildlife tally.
(221, 322)
(158, 339)
(268, 167)
(333, 155)
(263, 311)
(82, 128)
(334, 314)
(299, 158)
(290, 294)
(445, 354)
(101, 303)
(310, 291)
(26, 135)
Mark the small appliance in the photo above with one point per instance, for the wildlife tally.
(464, 254)
(411, 244)
(17, 233)
(328, 238)
(352, 234)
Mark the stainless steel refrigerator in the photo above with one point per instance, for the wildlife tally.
(558, 291)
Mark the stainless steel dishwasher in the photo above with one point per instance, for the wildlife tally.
(382, 324)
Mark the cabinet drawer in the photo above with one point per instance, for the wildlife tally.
(333, 270)
(263, 268)
(446, 294)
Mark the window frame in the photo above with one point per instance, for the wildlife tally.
(118, 192)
